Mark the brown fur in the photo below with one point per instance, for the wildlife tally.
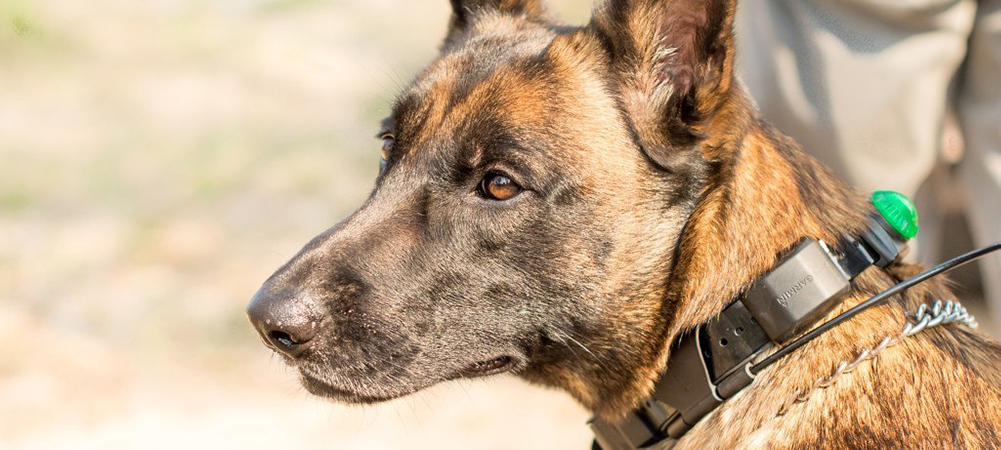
(654, 196)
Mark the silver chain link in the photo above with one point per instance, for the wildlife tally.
(923, 318)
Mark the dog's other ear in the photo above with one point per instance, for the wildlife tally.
(673, 63)
(464, 13)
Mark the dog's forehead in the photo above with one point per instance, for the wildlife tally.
(490, 74)
(491, 42)
(508, 87)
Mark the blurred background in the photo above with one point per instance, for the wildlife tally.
(158, 160)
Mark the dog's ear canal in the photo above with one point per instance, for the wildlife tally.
(464, 13)
(673, 65)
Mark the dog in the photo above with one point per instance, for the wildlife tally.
(563, 202)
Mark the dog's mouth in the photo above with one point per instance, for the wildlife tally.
(321, 388)
(316, 385)
(489, 367)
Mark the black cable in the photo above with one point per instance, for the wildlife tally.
(899, 287)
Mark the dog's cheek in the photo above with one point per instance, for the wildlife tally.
(557, 266)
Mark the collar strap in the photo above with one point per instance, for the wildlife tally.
(712, 362)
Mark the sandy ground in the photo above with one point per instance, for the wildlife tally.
(158, 159)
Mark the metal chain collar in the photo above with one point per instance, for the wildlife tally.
(923, 318)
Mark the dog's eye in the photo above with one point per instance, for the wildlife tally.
(499, 187)
(388, 141)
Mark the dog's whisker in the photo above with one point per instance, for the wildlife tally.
(594, 358)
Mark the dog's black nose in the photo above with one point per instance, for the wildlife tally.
(283, 319)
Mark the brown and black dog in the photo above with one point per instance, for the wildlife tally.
(562, 202)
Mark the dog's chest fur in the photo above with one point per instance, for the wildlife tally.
(929, 388)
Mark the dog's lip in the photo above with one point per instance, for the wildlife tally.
(488, 367)
(321, 388)
(317, 385)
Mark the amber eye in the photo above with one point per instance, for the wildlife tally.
(499, 187)
(388, 141)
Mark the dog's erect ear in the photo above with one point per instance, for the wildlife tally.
(465, 11)
(673, 60)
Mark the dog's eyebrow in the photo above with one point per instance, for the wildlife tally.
(502, 147)
(385, 126)
(409, 111)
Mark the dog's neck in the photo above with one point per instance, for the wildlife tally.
(773, 196)
(770, 197)
(766, 196)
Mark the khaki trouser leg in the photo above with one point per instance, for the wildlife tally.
(980, 118)
(862, 84)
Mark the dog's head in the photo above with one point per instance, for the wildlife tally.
(535, 181)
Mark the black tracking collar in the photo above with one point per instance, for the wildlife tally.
(713, 362)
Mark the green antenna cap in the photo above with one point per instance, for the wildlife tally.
(898, 211)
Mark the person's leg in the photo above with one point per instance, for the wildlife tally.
(862, 85)
(980, 117)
